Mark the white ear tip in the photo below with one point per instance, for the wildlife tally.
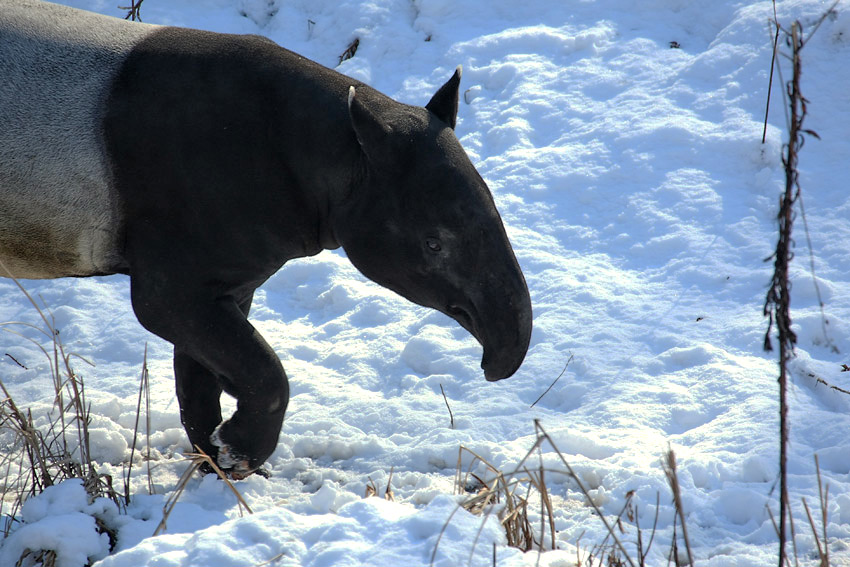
(459, 71)
(350, 95)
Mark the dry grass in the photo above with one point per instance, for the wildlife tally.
(820, 537)
(39, 558)
(196, 461)
(34, 457)
(823, 496)
(511, 496)
(372, 489)
(508, 495)
(144, 393)
(669, 465)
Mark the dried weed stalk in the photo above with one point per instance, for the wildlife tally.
(669, 466)
(196, 461)
(777, 303)
(133, 10)
(372, 488)
(144, 392)
(821, 539)
(509, 495)
(350, 50)
(35, 458)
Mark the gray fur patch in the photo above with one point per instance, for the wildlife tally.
(60, 215)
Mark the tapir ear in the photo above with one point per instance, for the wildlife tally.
(444, 103)
(370, 128)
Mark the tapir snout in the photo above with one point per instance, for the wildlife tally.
(504, 354)
(498, 314)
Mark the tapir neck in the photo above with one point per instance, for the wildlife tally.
(324, 158)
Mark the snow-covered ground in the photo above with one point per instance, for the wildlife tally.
(641, 204)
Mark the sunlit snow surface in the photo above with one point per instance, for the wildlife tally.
(640, 202)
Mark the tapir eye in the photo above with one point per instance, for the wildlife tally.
(433, 244)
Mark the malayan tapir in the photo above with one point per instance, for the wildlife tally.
(199, 163)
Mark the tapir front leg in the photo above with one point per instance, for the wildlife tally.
(199, 394)
(209, 325)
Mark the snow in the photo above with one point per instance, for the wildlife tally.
(61, 519)
(641, 204)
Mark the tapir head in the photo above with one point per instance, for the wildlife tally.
(421, 222)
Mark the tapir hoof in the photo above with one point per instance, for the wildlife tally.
(231, 462)
(207, 468)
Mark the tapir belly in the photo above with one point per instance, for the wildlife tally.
(59, 213)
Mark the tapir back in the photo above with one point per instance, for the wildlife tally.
(58, 214)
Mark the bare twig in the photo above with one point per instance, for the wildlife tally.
(823, 496)
(829, 11)
(553, 383)
(350, 50)
(445, 399)
(144, 391)
(822, 554)
(148, 427)
(503, 488)
(194, 465)
(820, 380)
(793, 528)
(642, 553)
(673, 556)
(274, 559)
(15, 360)
(547, 512)
(772, 66)
(440, 535)
(133, 10)
(793, 532)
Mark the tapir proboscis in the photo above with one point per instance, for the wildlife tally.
(198, 163)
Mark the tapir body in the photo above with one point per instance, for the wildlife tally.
(199, 163)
